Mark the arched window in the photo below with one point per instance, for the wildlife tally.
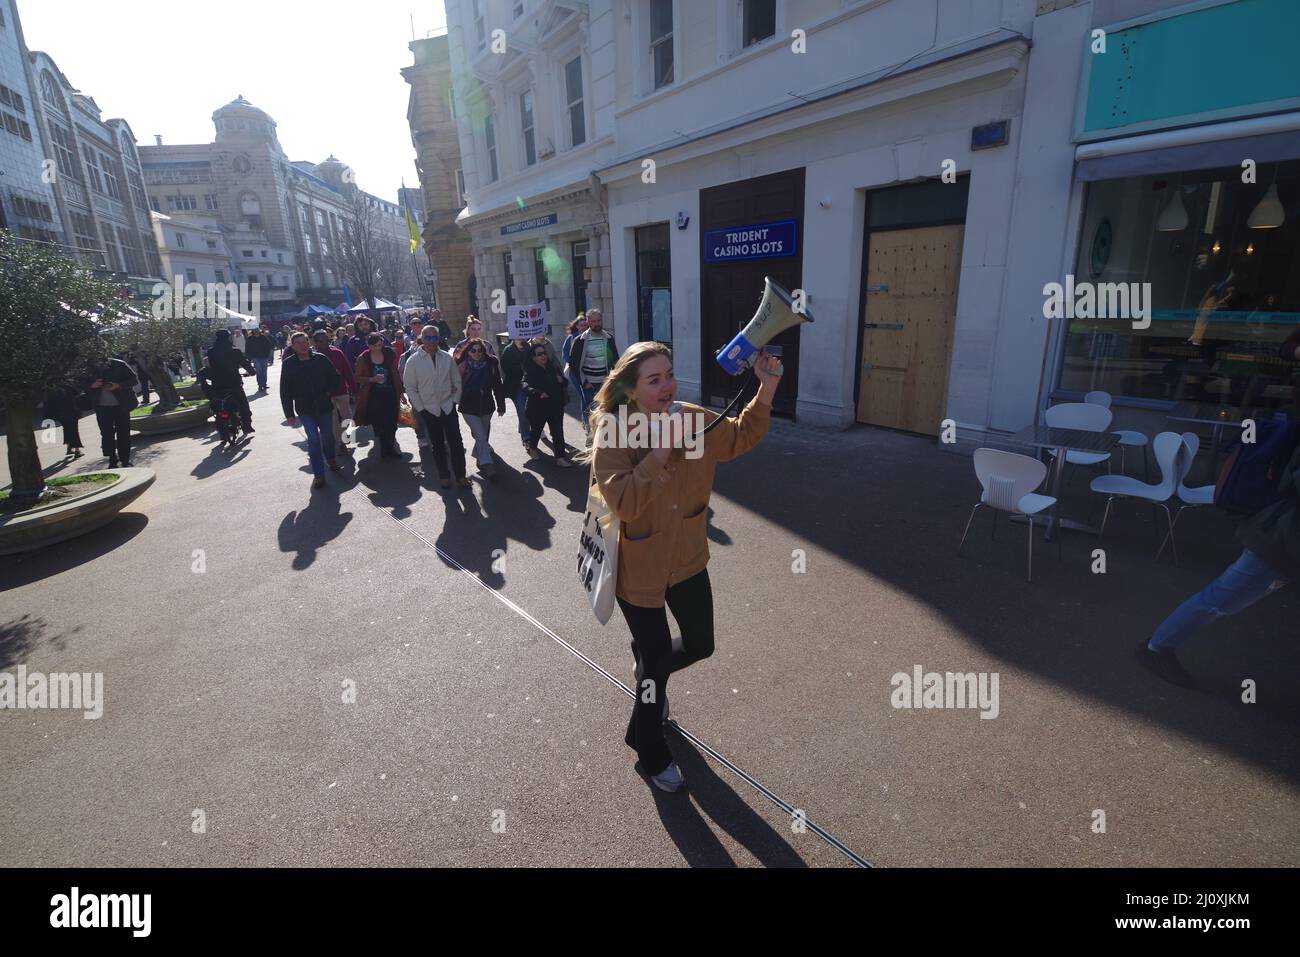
(50, 90)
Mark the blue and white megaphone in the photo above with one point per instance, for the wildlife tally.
(776, 313)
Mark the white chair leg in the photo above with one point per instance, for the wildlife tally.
(1030, 576)
(1177, 514)
(1104, 518)
(968, 521)
(1173, 545)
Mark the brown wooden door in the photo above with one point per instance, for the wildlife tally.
(730, 292)
(909, 315)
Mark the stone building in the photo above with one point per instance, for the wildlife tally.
(96, 178)
(437, 158)
(284, 221)
(534, 108)
(28, 206)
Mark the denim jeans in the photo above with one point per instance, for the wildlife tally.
(320, 441)
(260, 366)
(1242, 583)
(480, 426)
(520, 400)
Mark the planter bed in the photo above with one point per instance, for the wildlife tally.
(58, 521)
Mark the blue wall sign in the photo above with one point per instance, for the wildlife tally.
(535, 223)
(760, 241)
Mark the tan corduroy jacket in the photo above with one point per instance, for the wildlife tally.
(664, 509)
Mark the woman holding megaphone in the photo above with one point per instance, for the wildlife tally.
(661, 498)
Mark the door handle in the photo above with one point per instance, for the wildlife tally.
(881, 288)
(882, 325)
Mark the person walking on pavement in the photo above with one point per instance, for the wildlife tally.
(112, 392)
(141, 375)
(307, 381)
(473, 331)
(226, 362)
(417, 329)
(1270, 558)
(545, 386)
(433, 383)
(237, 340)
(661, 498)
(360, 341)
(259, 351)
(61, 406)
(576, 328)
(379, 393)
(482, 391)
(444, 330)
(513, 359)
(592, 356)
(343, 397)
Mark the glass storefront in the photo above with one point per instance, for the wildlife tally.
(1222, 260)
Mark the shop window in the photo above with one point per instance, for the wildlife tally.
(1217, 264)
(540, 256)
(580, 280)
(654, 284)
(510, 278)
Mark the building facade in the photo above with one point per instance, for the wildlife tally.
(193, 249)
(283, 221)
(533, 94)
(28, 206)
(447, 249)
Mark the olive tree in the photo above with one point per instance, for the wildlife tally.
(50, 308)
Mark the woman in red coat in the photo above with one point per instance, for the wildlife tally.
(380, 389)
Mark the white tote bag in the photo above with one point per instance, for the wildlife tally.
(598, 554)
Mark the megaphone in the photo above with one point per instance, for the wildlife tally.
(776, 313)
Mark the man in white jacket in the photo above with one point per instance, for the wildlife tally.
(432, 381)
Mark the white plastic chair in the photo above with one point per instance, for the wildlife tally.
(1188, 497)
(1169, 451)
(1082, 417)
(1127, 437)
(1009, 480)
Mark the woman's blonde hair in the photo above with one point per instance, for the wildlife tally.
(618, 388)
(471, 320)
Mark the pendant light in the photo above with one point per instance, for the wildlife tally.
(1268, 214)
(1174, 217)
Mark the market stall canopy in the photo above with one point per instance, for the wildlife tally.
(381, 305)
(311, 312)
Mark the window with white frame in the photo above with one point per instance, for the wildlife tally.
(526, 124)
(661, 43)
(460, 186)
(518, 8)
(221, 275)
(758, 21)
(490, 137)
(574, 101)
(180, 240)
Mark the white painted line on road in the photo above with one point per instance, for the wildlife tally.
(784, 805)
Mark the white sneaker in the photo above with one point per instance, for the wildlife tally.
(669, 779)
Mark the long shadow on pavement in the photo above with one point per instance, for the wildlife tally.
(19, 570)
(306, 531)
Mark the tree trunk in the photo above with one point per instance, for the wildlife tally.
(24, 461)
(161, 383)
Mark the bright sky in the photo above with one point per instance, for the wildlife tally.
(326, 70)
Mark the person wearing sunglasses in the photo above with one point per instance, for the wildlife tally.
(482, 391)
(545, 386)
(433, 384)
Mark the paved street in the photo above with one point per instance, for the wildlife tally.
(475, 705)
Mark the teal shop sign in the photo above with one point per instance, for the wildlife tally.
(1212, 60)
